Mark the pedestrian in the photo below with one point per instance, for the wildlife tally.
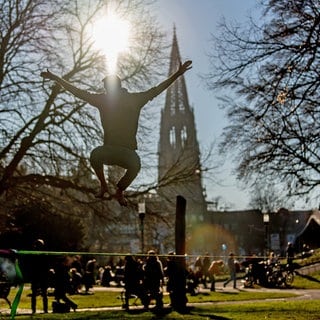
(119, 113)
(213, 270)
(77, 264)
(133, 278)
(232, 270)
(62, 282)
(106, 276)
(75, 281)
(153, 279)
(205, 267)
(89, 275)
(192, 282)
(39, 275)
(198, 269)
(273, 260)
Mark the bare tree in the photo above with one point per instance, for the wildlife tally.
(272, 67)
(267, 197)
(46, 133)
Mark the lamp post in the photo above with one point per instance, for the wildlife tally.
(296, 232)
(142, 214)
(266, 220)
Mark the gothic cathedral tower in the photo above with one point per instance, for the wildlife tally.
(179, 171)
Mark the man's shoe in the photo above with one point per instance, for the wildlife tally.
(120, 198)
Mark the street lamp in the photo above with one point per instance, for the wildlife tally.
(142, 214)
(266, 220)
(296, 233)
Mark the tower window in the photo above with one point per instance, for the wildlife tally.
(173, 137)
(184, 135)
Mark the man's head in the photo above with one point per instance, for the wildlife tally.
(151, 253)
(38, 244)
(112, 83)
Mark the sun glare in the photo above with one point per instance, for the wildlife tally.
(111, 36)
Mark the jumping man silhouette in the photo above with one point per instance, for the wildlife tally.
(119, 112)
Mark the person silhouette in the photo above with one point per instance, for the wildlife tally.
(119, 112)
(39, 276)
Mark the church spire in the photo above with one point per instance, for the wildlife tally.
(179, 154)
(174, 101)
(175, 57)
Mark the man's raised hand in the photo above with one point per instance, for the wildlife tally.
(185, 66)
(47, 75)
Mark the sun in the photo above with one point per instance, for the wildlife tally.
(111, 36)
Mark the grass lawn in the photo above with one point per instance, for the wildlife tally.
(307, 282)
(102, 299)
(221, 305)
(297, 310)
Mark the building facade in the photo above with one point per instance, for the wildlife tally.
(253, 232)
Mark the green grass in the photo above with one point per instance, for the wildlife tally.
(226, 305)
(315, 258)
(293, 310)
(112, 299)
(96, 300)
(307, 282)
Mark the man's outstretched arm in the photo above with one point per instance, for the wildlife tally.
(166, 83)
(82, 94)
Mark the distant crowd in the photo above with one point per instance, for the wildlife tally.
(144, 277)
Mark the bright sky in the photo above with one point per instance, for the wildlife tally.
(103, 33)
(195, 20)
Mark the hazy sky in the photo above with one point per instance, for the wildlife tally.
(195, 20)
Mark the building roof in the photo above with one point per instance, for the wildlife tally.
(315, 216)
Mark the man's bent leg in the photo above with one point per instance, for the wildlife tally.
(130, 161)
(113, 155)
(96, 160)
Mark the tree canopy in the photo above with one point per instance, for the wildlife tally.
(271, 66)
(45, 133)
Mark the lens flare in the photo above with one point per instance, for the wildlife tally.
(210, 238)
